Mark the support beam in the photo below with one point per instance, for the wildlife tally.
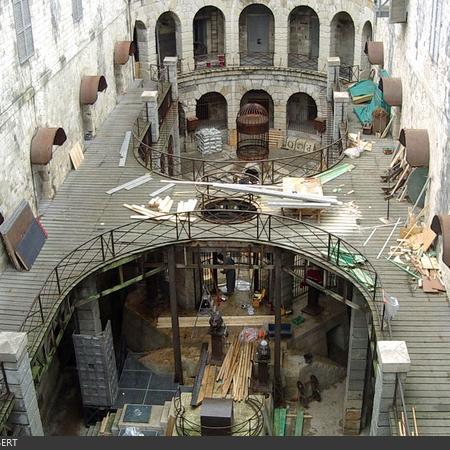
(326, 291)
(174, 314)
(120, 286)
(278, 393)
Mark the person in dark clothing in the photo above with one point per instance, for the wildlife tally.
(230, 274)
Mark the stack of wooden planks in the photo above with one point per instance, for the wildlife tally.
(208, 387)
(236, 370)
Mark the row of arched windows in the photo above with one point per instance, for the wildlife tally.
(257, 36)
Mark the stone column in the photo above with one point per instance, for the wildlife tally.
(14, 356)
(281, 42)
(333, 66)
(356, 368)
(393, 361)
(340, 113)
(171, 63)
(88, 314)
(150, 98)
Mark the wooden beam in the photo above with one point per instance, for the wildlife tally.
(120, 286)
(174, 315)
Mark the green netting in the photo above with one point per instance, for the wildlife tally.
(366, 87)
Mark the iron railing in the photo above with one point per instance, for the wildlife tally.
(164, 106)
(256, 58)
(349, 74)
(253, 426)
(160, 76)
(309, 240)
(209, 61)
(270, 171)
(400, 410)
(299, 61)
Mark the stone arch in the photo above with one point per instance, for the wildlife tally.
(342, 38)
(367, 35)
(209, 37)
(256, 35)
(262, 97)
(301, 110)
(212, 110)
(168, 36)
(304, 37)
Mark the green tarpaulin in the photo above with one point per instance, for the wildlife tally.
(364, 113)
(366, 87)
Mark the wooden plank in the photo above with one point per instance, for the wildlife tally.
(76, 156)
(230, 321)
(298, 429)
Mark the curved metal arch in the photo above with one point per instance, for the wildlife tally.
(323, 248)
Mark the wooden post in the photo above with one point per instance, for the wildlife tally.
(278, 398)
(174, 315)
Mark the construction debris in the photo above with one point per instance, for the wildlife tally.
(131, 184)
(414, 255)
(265, 190)
(161, 190)
(335, 172)
(124, 149)
(160, 208)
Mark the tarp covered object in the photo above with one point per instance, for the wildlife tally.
(364, 113)
(366, 87)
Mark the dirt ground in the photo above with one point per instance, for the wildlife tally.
(327, 414)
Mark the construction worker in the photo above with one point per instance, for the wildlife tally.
(230, 274)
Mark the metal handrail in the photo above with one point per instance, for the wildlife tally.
(400, 410)
(307, 239)
(271, 170)
(300, 61)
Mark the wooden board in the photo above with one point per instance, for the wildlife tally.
(76, 156)
(230, 321)
(14, 228)
(31, 245)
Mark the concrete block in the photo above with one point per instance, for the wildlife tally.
(12, 346)
(393, 356)
(149, 96)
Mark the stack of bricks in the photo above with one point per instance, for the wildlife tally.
(14, 356)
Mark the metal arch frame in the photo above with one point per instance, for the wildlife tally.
(53, 306)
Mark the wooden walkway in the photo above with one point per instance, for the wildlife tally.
(82, 209)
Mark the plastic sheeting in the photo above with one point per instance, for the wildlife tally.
(366, 87)
(364, 113)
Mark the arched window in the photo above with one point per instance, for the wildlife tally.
(256, 36)
(209, 38)
(304, 32)
(367, 35)
(301, 110)
(342, 38)
(168, 36)
(211, 110)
